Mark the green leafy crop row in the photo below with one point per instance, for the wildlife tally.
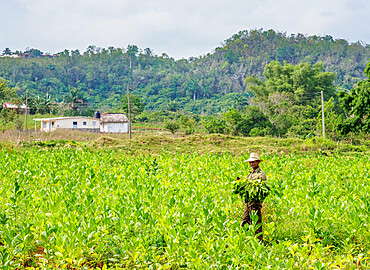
(82, 209)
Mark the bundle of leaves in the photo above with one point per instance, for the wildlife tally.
(252, 190)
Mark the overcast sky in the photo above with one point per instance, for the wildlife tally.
(177, 27)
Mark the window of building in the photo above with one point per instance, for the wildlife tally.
(84, 123)
(74, 124)
(93, 123)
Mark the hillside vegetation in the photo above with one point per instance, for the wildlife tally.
(206, 84)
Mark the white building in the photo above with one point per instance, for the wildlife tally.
(75, 123)
(113, 123)
(108, 123)
(10, 55)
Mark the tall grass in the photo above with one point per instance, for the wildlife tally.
(156, 143)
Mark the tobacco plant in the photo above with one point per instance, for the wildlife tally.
(86, 208)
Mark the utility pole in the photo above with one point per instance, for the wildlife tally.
(128, 102)
(322, 114)
(26, 111)
(128, 109)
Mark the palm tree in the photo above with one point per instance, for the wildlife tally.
(241, 102)
(43, 105)
(74, 99)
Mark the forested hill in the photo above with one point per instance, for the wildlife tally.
(208, 84)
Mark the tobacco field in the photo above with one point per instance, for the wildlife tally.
(72, 208)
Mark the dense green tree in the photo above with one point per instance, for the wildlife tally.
(34, 52)
(132, 50)
(7, 51)
(287, 87)
(250, 122)
(136, 105)
(331, 120)
(356, 105)
(6, 116)
(189, 124)
(241, 103)
(172, 126)
(38, 105)
(233, 119)
(255, 123)
(6, 93)
(173, 106)
(301, 121)
(301, 83)
(43, 105)
(74, 99)
(214, 125)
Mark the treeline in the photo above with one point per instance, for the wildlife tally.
(204, 85)
(288, 102)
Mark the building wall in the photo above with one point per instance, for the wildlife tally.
(114, 127)
(68, 123)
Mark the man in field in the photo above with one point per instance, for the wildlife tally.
(253, 202)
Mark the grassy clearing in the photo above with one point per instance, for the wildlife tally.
(155, 143)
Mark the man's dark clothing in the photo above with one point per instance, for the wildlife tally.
(256, 207)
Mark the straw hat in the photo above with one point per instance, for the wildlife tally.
(254, 157)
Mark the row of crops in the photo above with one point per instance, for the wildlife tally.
(82, 209)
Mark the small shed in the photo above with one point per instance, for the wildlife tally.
(114, 123)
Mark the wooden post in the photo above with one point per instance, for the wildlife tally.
(128, 109)
(26, 111)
